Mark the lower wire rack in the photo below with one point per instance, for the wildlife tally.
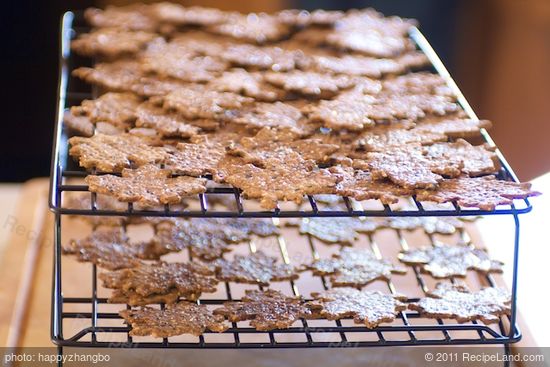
(92, 322)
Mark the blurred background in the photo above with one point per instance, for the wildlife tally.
(497, 50)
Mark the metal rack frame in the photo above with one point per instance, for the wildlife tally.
(507, 333)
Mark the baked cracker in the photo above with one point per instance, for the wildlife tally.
(111, 42)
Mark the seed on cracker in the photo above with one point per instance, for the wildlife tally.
(340, 230)
(209, 238)
(111, 249)
(481, 192)
(310, 83)
(179, 15)
(166, 124)
(262, 58)
(267, 310)
(288, 177)
(343, 113)
(199, 102)
(258, 28)
(109, 153)
(457, 302)
(368, 66)
(119, 75)
(117, 109)
(276, 115)
(446, 261)
(353, 267)
(360, 185)
(148, 185)
(176, 61)
(255, 268)
(477, 160)
(303, 18)
(111, 42)
(159, 281)
(418, 83)
(453, 128)
(131, 17)
(194, 159)
(370, 308)
(246, 83)
(431, 225)
(176, 319)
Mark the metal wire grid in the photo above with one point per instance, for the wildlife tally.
(89, 336)
(508, 331)
(63, 168)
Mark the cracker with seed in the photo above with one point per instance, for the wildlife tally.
(408, 168)
(153, 86)
(175, 319)
(111, 249)
(342, 113)
(431, 225)
(287, 177)
(382, 137)
(148, 283)
(484, 192)
(109, 153)
(368, 66)
(201, 103)
(80, 125)
(263, 58)
(339, 230)
(267, 310)
(275, 115)
(303, 18)
(209, 238)
(477, 160)
(353, 267)
(176, 14)
(148, 185)
(453, 128)
(257, 28)
(173, 60)
(168, 125)
(370, 308)
(194, 159)
(117, 109)
(418, 83)
(131, 17)
(310, 83)
(249, 84)
(447, 261)
(450, 301)
(111, 42)
(117, 76)
(255, 268)
(360, 185)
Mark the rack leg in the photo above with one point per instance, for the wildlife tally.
(513, 329)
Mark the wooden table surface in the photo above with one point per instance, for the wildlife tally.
(28, 323)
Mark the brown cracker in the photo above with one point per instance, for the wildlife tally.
(456, 302)
(249, 84)
(146, 185)
(477, 160)
(109, 153)
(252, 27)
(339, 230)
(176, 14)
(454, 127)
(481, 192)
(111, 42)
(131, 17)
(255, 268)
(418, 83)
(119, 75)
(198, 102)
(370, 308)
(303, 18)
(142, 284)
(117, 109)
(176, 319)
(267, 310)
(353, 267)
(166, 124)
(431, 225)
(360, 185)
(276, 115)
(194, 159)
(111, 249)
(310, 83)
(263, 58)
(447, 261)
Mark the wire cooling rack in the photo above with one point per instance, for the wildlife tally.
(409, 329)
(64, 172)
